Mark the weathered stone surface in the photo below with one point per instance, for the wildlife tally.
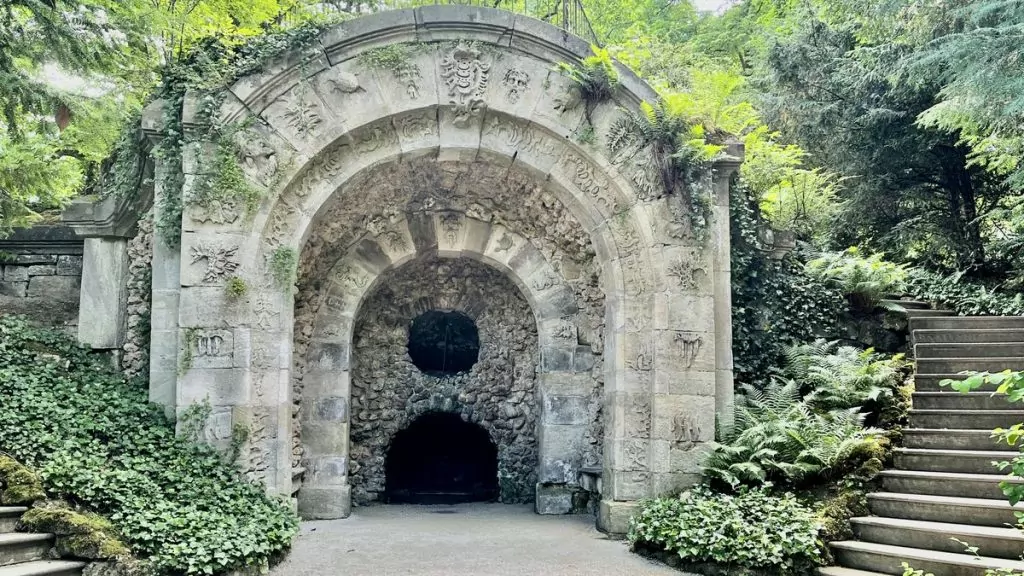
(69, 265)
(102, 308)
(554, 499)
(325, 503)
(13, 289)
(42, 270)
(613, 517)
(14, 273)
(53, 288)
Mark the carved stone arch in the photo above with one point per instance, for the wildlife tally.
(478, 109)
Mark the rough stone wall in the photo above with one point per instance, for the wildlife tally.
(41, 274)
(498, 393)
(135, 359)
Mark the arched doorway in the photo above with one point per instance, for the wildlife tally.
(441, 459)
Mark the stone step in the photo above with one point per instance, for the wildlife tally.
(956, 484)
(924, 382)
(955, 365)
(965, 419)
(932, 439)
(44, 568)
(948, 509)
(16, 547)
(913, 313)
(966, 322)
(908, 304)
(888, 559)
(840, 571)
(963, 461)
(968, 336)
(9, 517)
(939, 536)
(949, 399)
(969, 350)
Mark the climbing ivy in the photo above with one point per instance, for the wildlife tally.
(774, 302)
(283, 264)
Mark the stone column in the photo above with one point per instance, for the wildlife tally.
(103, 301)
(723, 171)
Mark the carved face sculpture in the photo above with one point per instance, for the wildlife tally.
(515, 82)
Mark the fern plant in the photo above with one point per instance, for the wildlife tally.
(864, 280)
(842, 377)
(777, 437)
(594, 76)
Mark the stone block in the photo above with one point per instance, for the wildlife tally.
(16, 273)
(583, 359)
(327, 470)
(55, 288)
(13, 289)
(324, 438)
(42, 270)
(613, 517)
(630, 485)
(560, 453)
(25, 259)
(325, 503)
(684, 419)
(69, 266)
(554, 499)
(690, 383)
(211, 348)
(555, 359)
(560, 409)
(221, 386)
(332, 409)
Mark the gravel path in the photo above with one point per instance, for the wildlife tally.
(471, 539)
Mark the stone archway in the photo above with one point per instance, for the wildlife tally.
(363, 169)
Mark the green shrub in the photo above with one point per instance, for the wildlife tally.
(842, 377)
(964, 297)
(753, 529)
(777, 437)
(18, 484)
(864, 281)
(97, 443)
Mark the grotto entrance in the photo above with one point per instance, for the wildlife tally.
(441, 459)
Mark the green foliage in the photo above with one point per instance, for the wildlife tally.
(187, 354)
(80, 534)
(18, 484)
(99, 444)
(396, 59)
(679, 150)
(775, 303)
(962, 295)
(865, 281)
(236, 287)
(777, 437)
(594, 76)
(283, 266)
(835, 512)
(838, 377)
(753, 529)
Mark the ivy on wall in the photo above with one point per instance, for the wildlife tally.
(775, 303)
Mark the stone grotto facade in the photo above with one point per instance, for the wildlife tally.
(466, 252)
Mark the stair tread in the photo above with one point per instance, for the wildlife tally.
(945, 500)
(941, 527)
(23, 537)
(912, 555)
(950, 476)
(992, 454)
(950, 392)
(840, 571)
(13, 510)
(41, 567)
(948, 411)
(977, 431)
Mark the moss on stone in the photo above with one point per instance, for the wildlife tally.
(80, 534)
(837, 510)
(18, 484)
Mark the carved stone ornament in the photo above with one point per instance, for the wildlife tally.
(346, 83)
(257, 158)
(685, 431)
(686, 273)
(522, 137)
(302, 116)
(689, 346)
(465, 74)
(415, 126)
(451, 222)
(515, 82)
(505, 243)
(643, 361)
(216, 211)
(220, 261)
(568, 100)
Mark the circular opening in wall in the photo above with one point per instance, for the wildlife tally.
(443, 343)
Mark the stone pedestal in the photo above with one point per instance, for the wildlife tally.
(613, 517)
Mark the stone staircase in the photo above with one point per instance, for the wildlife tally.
(944, 485)
(24, 554)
